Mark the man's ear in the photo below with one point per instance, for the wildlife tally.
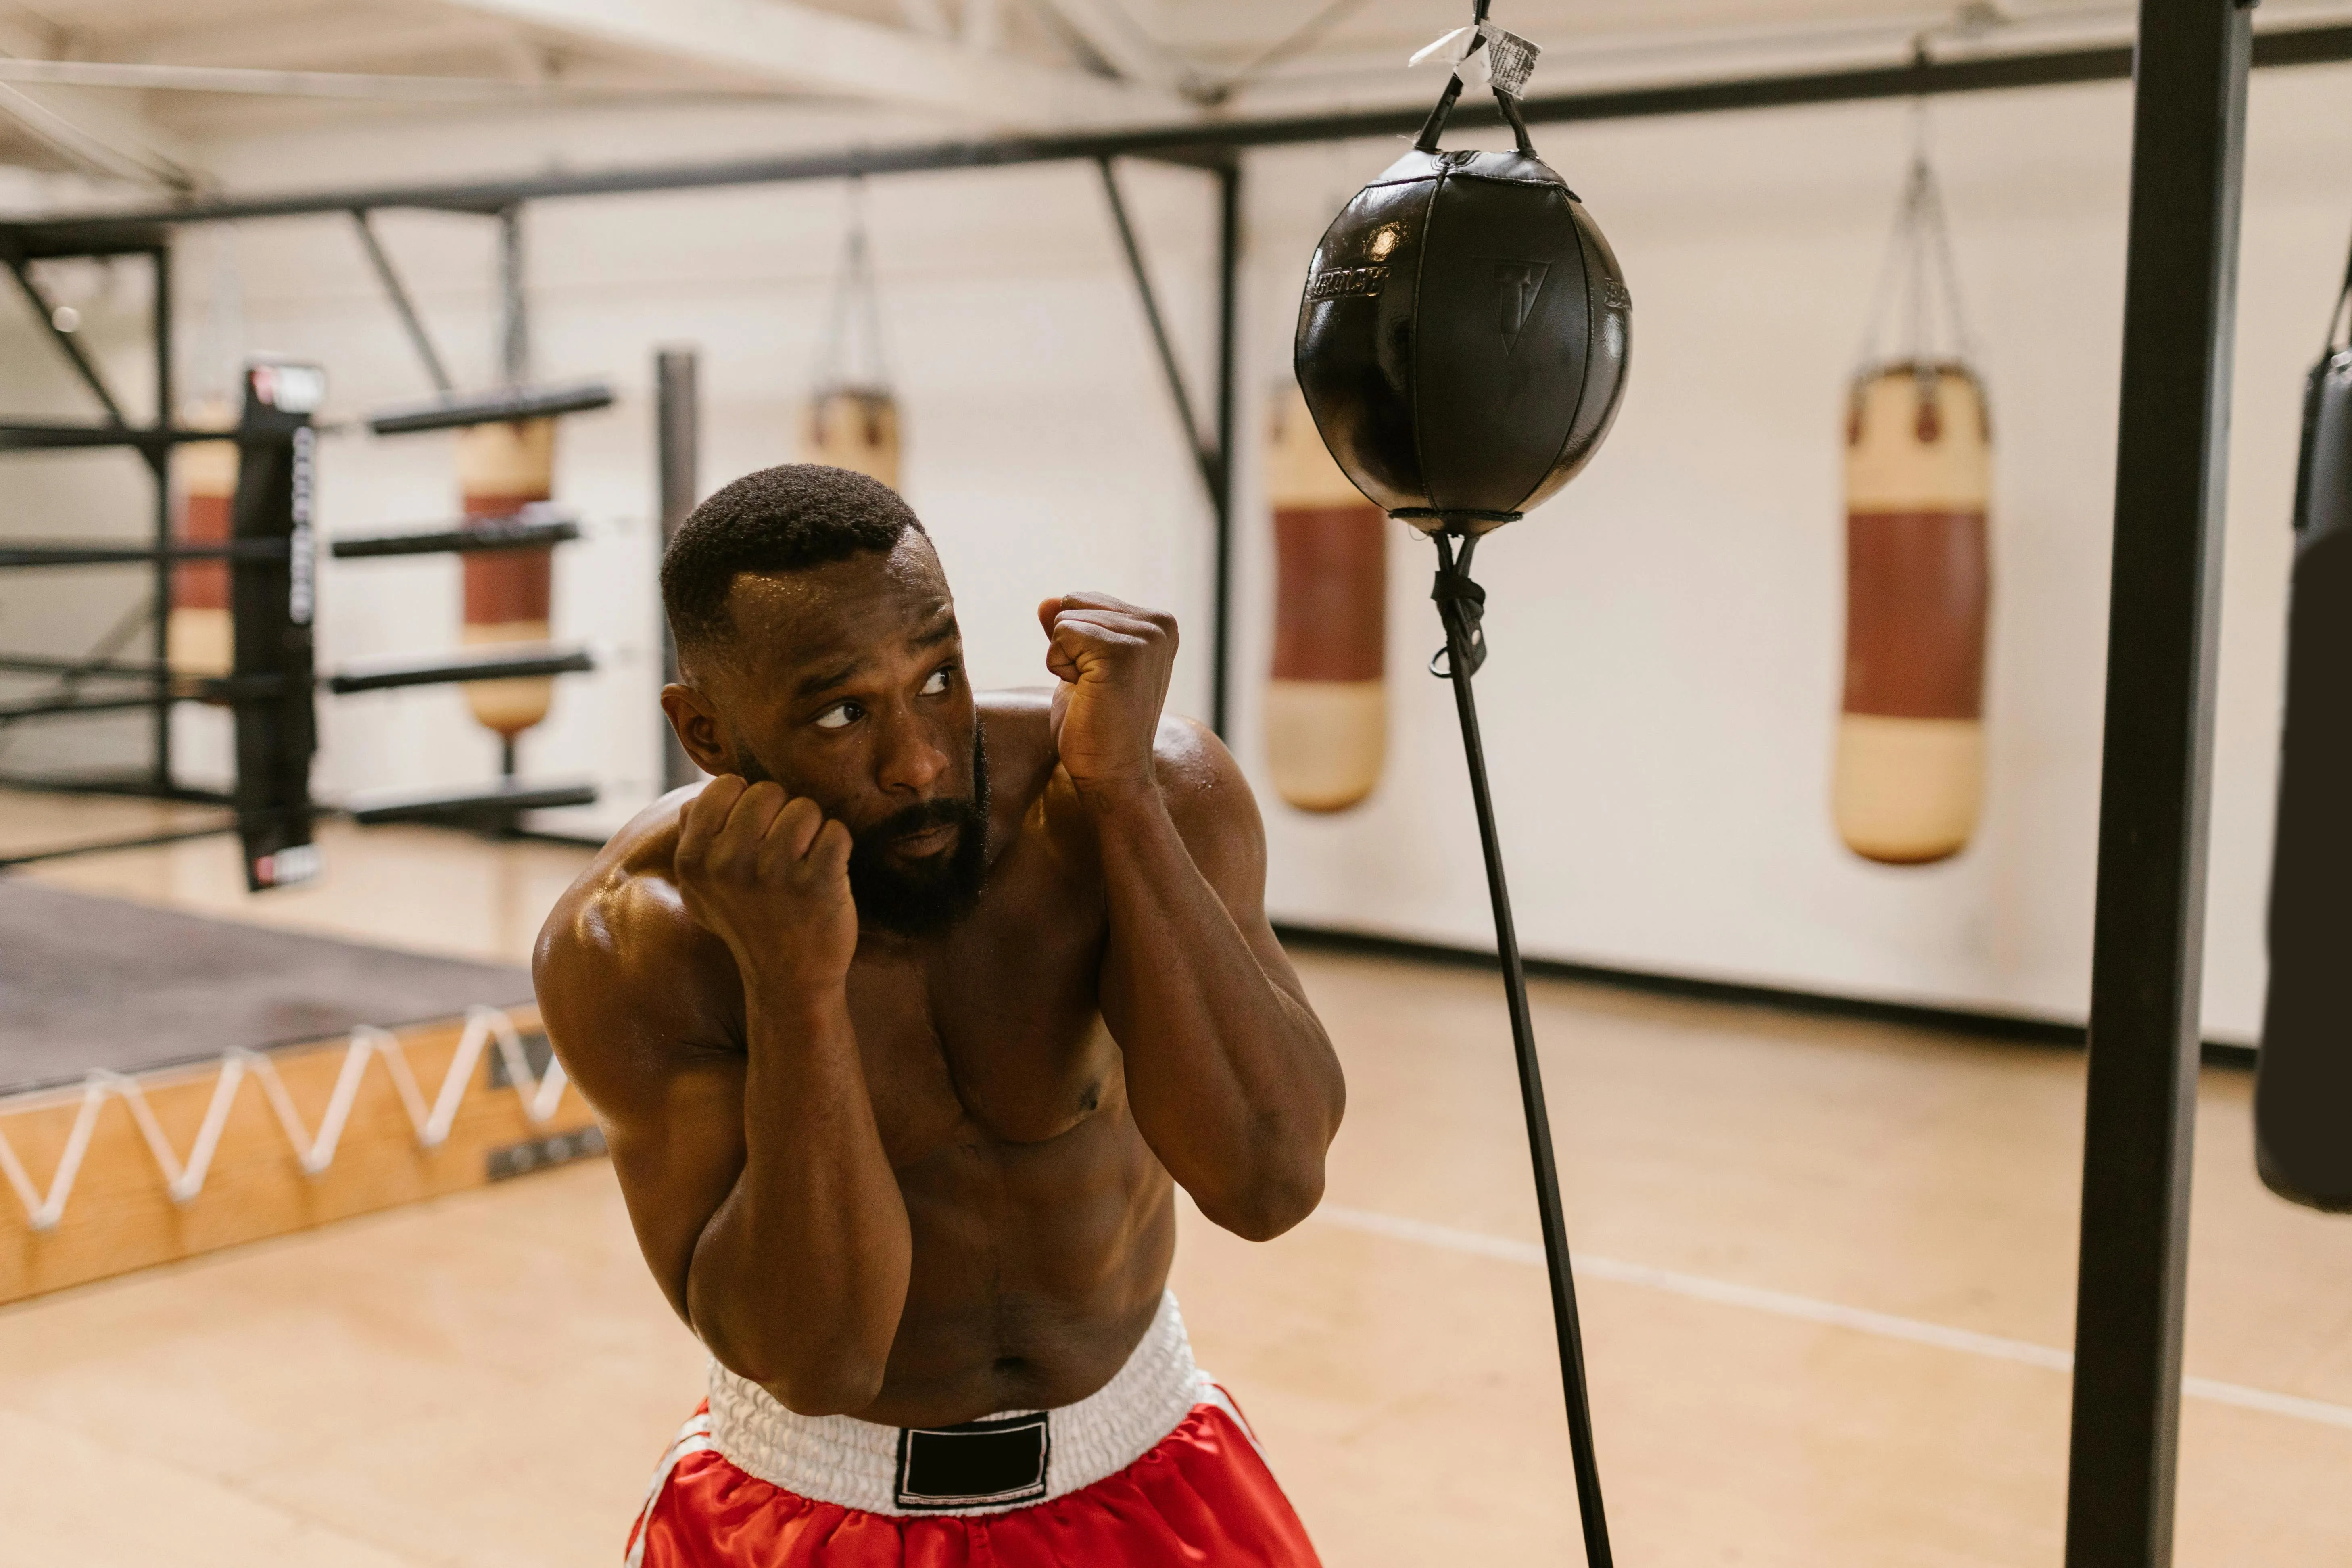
(697, 728)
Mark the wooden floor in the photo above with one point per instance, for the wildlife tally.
(1827, 1277)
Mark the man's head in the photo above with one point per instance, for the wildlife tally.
(817, 647)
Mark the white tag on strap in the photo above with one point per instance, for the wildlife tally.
(1508, 59)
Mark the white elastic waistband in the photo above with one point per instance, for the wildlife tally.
(856, 1464)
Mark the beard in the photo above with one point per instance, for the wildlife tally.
(918, 897)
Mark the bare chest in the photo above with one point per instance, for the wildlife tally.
(994, 1034)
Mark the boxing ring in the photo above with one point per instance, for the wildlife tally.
(186, 1085)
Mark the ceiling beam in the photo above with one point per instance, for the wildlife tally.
(1189, 141)
(101, 133)
(821, 51)
(1114, 37)
(325, 40)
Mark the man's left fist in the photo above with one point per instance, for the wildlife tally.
(1113, 660)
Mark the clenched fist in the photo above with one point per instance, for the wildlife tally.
(768, 874)
(1113, 660)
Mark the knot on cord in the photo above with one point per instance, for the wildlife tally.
(1461, 605)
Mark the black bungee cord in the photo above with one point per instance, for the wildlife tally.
(1461, 605)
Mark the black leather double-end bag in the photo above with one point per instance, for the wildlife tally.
(2303, 1090)
(1462, 337)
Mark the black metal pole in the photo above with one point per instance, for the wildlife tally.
(396, 292)
(2188, 143)
(68, 343)
(675, 440)
(1171, 369)
(514, 318)
(1464, 653)
(1229, 260)
(159, 462)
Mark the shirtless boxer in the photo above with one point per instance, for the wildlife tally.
(903, 1031)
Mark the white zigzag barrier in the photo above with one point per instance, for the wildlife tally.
(539, 1095)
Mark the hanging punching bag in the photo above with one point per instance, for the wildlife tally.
(854, 428)
(502, 468)
(1327, 706)
(1910, 747)
(199, 639)
(2302, 1085)
(853, 420)
(1908, 780)
(1462, 342)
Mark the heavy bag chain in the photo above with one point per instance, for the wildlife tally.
(1920, 273)
(857, 301)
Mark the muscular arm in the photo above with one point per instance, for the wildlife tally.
(1230, 1075)
(757, 1184)
(1233, 1080)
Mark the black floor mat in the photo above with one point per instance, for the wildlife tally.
(95, 983)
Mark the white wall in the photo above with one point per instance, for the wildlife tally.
(1666, 674)
(1662, 695)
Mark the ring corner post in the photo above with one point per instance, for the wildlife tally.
(2188, 151)
(163, 777)
(1229, 251)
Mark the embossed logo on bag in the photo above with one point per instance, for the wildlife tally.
(1517, 284)
(1347, 282)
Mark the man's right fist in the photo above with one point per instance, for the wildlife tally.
(768, 874)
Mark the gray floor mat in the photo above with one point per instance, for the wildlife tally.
(96, 982)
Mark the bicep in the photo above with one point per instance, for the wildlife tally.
(672, 1115)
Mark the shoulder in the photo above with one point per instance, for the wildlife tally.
(619, 958)
(1199, 776)
(1210, 801)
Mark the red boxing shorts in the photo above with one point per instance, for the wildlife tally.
(1156, 1469)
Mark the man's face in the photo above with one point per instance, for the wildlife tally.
(845, 683)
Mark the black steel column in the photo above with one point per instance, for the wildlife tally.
(1229, 252)
(2187, 146)
(676, 442)
(159, 459)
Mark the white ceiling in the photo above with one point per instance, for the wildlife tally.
(127, 89)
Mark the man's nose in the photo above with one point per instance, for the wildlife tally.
(912, 761)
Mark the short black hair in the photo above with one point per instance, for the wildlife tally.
(784, 519)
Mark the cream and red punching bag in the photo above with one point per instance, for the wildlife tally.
(854, 428)
(1326, 712)
(1910, 747)
(853, 421)
(2302, 1085)
(1909, 776)
(502, 468)
(200, 638)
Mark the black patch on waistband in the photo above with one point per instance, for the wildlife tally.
(981, 1464)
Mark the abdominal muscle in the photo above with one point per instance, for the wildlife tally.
(1036, 1269)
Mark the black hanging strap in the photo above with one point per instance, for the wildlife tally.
(1434, 126)
(2314, 393)
(2341, 314)
(1461, 603)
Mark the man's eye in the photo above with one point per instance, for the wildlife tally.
(941, 678)
(840, 716)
